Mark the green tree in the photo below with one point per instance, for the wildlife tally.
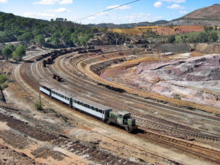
(17, 32)
(26, 37)
(171, 39)
(56, 41)
(213, 37)
(40, 40)
(202, 37)
(19, 52)
(37, 32)
(83, 42)
(208, 29)
(6, 52)
(65, 36)
(10, 46)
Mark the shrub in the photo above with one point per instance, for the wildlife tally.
(3, 78)
(171, 39)
(5, 85)
(176, 96)
(134, 53)
(38, 106)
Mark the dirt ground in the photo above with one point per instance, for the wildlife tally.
(28, 147)
(60, 135)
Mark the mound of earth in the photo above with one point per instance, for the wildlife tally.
(208, 48)
(195, 79)
(182, 47)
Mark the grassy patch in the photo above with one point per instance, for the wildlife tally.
(4, 85)
(193, 34)
(3, 78)
(38, 106)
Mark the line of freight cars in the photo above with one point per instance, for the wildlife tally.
(53, 55)
(50, 57)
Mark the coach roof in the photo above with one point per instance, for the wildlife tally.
(91, 103)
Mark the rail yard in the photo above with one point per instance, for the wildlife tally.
(167, 133)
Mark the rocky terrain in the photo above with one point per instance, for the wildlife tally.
(194, 79)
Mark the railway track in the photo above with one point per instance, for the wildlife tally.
(186, 147)
(194, 151)
(172, 126)
(74, 146)
(193, 132)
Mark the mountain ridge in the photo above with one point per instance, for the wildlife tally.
(210, 12)
(128, 25)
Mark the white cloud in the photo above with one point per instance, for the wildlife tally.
(66, 1)
(38, 15)
(61, 10)
(113, 17)
(3, 1)
(173, 1)
(102, 14)
(183, 12)
(158, 4)
(175, 6)
(46, 2)
(52, 2)
(121, 8)
(91, 18)
(140, 17)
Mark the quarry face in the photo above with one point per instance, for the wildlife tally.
(195, 79)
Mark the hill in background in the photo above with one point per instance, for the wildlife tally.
(207, 16)
(210, 12)
(128, 25)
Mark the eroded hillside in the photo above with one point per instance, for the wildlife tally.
(183, 76)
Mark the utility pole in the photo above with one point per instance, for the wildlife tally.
(116, 41)
(40, 97)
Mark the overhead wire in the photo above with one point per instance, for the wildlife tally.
(107, 10)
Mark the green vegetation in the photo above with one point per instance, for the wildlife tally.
(3, 78)
(171, 39)
(176, 96)
(3, 81)
(134, 53)
(7, 53)
(150, 33)
(19, 52)
(208, 28)
(38, 106)
(40, 41)
(195, 37)
(4, 85)
(60, 32)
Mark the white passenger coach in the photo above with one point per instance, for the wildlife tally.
(82, 104)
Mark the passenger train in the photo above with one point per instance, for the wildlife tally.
(105, 113)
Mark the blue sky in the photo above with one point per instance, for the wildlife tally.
(142, 10)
